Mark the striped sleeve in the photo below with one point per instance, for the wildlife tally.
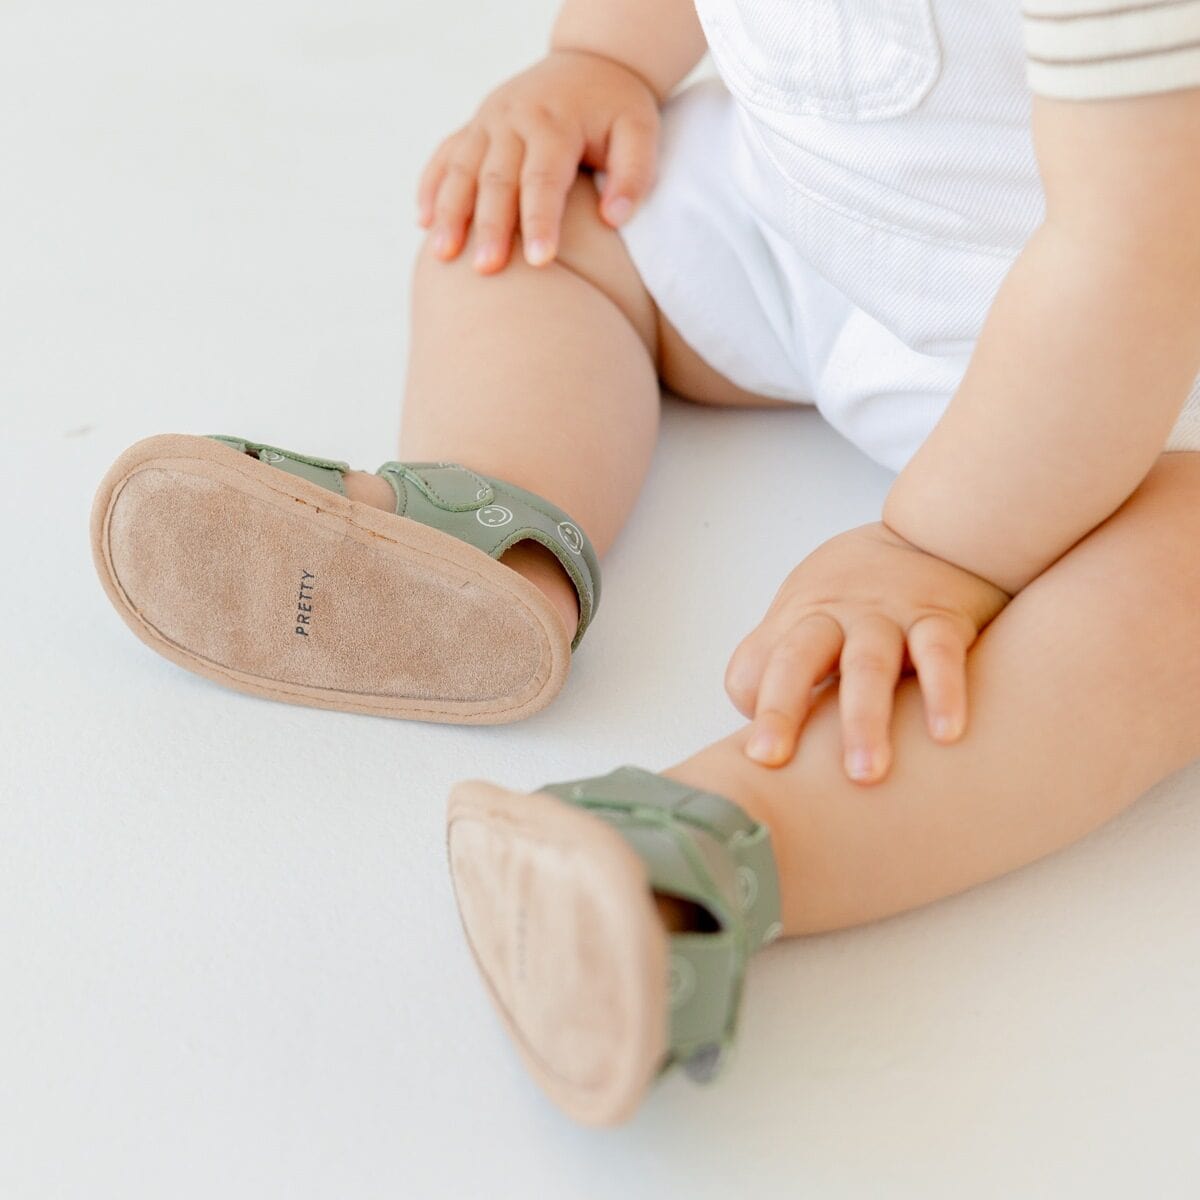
(1097, 49)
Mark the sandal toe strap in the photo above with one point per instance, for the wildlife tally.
(324, 472)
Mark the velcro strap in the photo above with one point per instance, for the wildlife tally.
(324, 472)
(450, 488)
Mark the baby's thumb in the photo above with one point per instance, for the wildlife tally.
(628, 167)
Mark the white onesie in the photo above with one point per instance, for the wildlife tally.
(833, 215)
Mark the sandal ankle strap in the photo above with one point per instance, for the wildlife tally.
(493, 515)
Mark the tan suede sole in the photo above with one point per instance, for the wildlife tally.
(274, 586)
(560, 919)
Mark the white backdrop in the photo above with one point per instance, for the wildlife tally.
(231, 965)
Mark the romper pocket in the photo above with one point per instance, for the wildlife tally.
(847, 60)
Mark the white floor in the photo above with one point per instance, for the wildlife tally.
(231, 966)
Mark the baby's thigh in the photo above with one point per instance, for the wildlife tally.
(683, 372)
(593, 249)
(1132, 588)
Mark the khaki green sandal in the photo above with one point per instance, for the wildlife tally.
(555, 891)
(248, 564)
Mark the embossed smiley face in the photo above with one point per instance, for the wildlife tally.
(571, 537)
(681, 981)
(494, 515)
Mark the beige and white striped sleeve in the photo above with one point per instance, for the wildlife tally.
(1098, 49)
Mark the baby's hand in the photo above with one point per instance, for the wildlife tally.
(854, 606)
(514, 161)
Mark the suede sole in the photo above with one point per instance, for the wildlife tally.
(559, 916)
(273, 586)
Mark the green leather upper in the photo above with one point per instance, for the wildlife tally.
(700, 847)
(486, 513)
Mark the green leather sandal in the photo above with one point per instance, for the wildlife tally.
(248, 564)
(555, 891)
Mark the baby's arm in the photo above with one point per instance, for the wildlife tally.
(1087, 355)
(1084, 363)
(661, 40)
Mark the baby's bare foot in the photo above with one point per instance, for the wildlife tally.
(679, 916)
(529, 559)
(370, 489)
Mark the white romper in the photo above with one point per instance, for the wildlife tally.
(834, 214)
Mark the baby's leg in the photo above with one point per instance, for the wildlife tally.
(1082, 694)
(542, 376)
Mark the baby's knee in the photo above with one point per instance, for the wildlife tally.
(587, 246)
(593, 249)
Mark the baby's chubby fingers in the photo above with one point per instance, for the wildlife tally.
(937, 646)
(745, 669)
(454, 200)
(800, 658)
(496, 202)
(871, 660)
(550, 167)
(629, 165)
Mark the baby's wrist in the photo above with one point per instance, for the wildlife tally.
(1007, 573)
(608, 60)
(658, 43)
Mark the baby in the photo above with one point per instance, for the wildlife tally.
(970, 236)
